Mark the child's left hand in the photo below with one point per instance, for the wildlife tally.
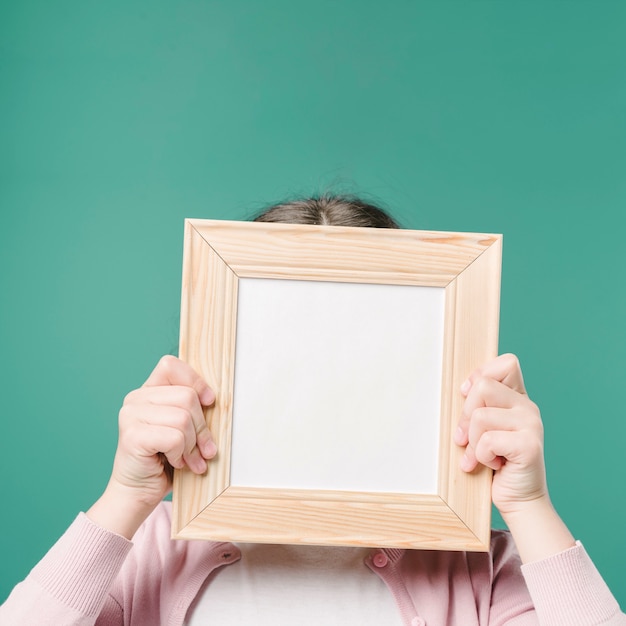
(502, 429)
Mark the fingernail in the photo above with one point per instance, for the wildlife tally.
(465, 464)
(207, 397)
(465, 387)
(459, 436)
(209, 449)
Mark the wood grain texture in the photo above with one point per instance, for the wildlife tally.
(474, 339)
(334, 253)
(207, 343)
(359, 519)
(216, 255)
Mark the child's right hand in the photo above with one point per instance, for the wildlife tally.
(161, 426)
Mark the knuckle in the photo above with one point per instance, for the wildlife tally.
(189, 398)
(176, 443)
(180, 418)
(482, 443)
(482, 384)
(488, 440)
(511, 361)
(480, 417)
(535, 415)
(534, 408)
(131, 396)
(180, 439)
(125, 416)
(130, 435)
(167, 362)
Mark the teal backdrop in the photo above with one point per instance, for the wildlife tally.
(120, 119)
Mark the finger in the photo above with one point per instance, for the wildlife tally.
(173, 371)
(489, 419)
(152, 440)
(504, 368)
(475, 457)
(157, 416)
(181, 397)
(485, 392)
(469, 462)
(498, 446)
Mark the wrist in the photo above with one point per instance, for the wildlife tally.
(538, 530)
(523, 511)
(118, 510)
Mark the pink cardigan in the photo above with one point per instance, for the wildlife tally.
(91, 576)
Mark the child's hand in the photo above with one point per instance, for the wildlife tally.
(502, 429)
(161, 426)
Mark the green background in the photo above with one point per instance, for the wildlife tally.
(119, 119)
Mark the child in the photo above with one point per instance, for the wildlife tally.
(536, 574)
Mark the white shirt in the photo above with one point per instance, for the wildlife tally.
(285, 584)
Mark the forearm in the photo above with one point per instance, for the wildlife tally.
(538, 530)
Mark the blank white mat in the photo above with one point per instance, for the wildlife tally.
(337, 386)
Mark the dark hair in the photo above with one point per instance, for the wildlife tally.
(330, 209)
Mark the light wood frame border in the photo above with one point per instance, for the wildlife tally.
(216, 255)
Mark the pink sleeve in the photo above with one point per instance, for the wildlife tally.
(568, 589)
(70, 584)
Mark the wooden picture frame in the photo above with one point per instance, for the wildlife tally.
(220, 254)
